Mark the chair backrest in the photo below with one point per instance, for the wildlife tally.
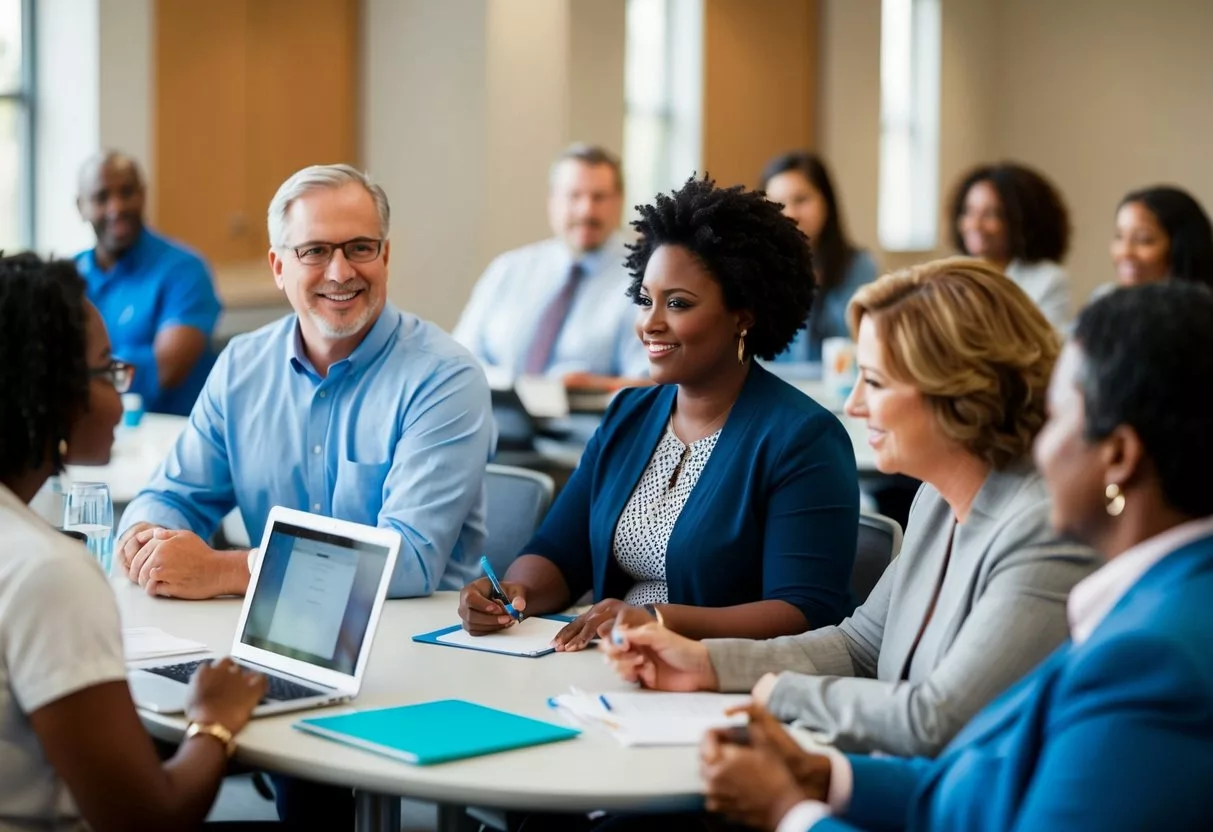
(879, 542)
(517, 501)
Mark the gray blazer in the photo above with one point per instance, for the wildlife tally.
(1001, 610)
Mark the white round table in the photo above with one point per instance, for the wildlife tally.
(592, 771)
(136, 455)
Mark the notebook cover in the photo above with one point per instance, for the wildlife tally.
(436, 732)
(432, 638)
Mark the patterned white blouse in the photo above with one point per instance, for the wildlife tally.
(643, 531)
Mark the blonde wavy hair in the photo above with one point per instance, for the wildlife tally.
(973, 343)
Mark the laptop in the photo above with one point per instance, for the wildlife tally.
(308, 620)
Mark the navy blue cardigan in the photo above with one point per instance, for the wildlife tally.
(774, 514)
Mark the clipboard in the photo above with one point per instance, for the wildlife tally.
(498, 642)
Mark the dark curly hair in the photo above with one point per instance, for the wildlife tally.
(43, 363)
(1038, 224)
(759, 257)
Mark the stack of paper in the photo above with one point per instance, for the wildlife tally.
(139, 643)
(638, 718)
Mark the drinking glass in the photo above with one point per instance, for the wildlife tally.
(90, 510)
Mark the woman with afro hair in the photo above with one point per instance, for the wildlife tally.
(721, 501)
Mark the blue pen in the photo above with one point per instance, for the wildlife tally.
(498, 593)
(605, 704)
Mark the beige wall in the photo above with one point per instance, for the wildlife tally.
(465, 105)
(1102, 95)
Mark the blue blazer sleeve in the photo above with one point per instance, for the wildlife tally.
(1129, 746)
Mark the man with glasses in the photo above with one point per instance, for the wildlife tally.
(350, 408)
(155, 295)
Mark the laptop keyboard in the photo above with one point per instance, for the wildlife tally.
(279, 690)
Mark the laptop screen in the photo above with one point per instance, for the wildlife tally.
(314, 596)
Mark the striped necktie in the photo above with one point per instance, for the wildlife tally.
(551, 322)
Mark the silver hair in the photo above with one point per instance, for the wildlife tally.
(314, 178)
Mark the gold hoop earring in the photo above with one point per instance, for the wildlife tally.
(1115, 498)
(62, 448)
(741, 346)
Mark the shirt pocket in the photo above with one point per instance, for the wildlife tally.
(358, 494)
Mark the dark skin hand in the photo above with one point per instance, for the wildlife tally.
(96, 744)
(758, 782)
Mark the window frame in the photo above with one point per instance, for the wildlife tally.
(24, 98)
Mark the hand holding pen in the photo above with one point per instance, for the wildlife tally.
(487, 605)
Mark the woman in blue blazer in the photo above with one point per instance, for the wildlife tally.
(722, 501)
(1115, 730)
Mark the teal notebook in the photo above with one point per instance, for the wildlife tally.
(435, 732)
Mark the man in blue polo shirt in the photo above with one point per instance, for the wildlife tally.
(156, 295)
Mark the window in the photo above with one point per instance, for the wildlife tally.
(16, 125)
(907, 217)
(662, 96)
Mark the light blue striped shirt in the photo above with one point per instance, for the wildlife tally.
(397, 435)
(599, 334)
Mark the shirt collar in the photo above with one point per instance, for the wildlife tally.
(600, 257)
(365, 353)
(1093, 597)
(130, 260)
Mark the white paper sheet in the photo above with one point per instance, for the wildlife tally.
(530, 637)
(645, 718)
(140, 643)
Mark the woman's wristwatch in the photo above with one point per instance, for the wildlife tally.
(213, 729)
(652, 610)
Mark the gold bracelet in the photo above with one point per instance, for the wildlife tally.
(213, 729)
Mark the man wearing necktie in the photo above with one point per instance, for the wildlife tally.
(559, 307)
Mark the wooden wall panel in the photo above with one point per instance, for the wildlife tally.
(247, 92)
(760, 77)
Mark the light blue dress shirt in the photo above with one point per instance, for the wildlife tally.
(397, 435)
(599, 334)
(156, 284)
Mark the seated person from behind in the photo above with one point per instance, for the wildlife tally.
(155, 295)
(954, 361)
(723, 500)
(1012, 216)
(560, 308)
(348, 408)
(74, 754)
(1114, 731)
(800, 182)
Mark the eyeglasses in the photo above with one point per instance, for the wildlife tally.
(118, 373)
(358, 250)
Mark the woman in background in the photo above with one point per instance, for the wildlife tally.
(1013, 217)
(800, 182)
(1162, 233)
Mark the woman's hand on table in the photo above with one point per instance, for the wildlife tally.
(597, 621)
(657, 657)
(481, 614)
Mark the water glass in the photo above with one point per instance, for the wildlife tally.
(90, 510)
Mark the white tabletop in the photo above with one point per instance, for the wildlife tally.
(590, 772)
(137, 452)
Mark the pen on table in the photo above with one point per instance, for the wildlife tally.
(602, 698)
(498, 594)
